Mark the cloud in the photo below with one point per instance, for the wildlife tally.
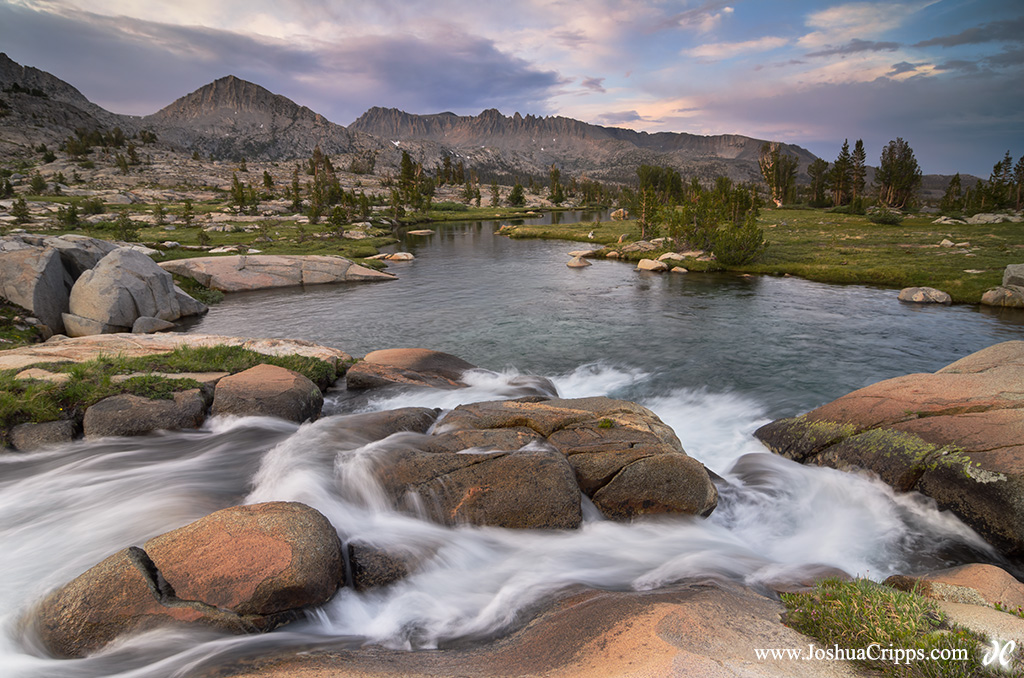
(953, 124)
(132, 65)
(703, 18)
(1010, 57)
(862, 19)
(725, 50)
(857, 45)
(594, 84)
(996, 31)
(617, 118)
(958, 65)
(571, 39)
(903, 67)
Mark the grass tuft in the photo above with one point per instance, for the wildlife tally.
(860, 613)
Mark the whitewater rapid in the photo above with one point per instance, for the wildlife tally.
(64, 510)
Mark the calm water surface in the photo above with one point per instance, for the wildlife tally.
(501, 303)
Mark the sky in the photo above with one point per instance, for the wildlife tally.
(945, 75)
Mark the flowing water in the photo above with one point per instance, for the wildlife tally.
(714, 356)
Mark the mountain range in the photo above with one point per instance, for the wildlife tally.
(231, 118)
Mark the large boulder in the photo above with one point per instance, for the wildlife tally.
(79, 253)
(700, 629)
(242, 569)
(269, 391)
(956, 435)
(1011, 293)
(35, 280)
(256, 272)
(1007, 297)
(122, 287)
(532, 489)
(621, 454)
(132, 415)
(259, 559)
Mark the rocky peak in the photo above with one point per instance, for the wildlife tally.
(28, 78)
(231, 93)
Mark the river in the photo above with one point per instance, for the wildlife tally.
(714, 355)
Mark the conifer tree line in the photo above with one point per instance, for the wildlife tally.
(844, 181)
(1003, 190)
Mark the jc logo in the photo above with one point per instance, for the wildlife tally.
(1001, 652)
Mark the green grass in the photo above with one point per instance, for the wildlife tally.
(14, 333)
(849, 249)
(856, 614)
(25, 400)
(198, 291)
(448, 212)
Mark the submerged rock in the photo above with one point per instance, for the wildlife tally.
(29, 437)
(956, 435)
(434, 369)
(373, 567)
(924, 295)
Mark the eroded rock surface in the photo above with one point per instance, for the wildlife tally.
(956, 435)
(617, 453)
(243, 569)
(131, 415)
(264, 271)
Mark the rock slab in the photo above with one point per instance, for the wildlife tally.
(956, 435)
(264, 271)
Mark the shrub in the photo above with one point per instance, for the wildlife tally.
(124, 227)
(91, 206)
(738, 245)
(448, 206)
(885, 217)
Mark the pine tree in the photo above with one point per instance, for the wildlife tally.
(858, 170)
(898, 176)
(495, 193)
(819, 173)
(778, 170)
(1000, 182)
(840, 176)
(952, 200)
(20, 211)
(516, 197)
(1018, 180)
(188, 212)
